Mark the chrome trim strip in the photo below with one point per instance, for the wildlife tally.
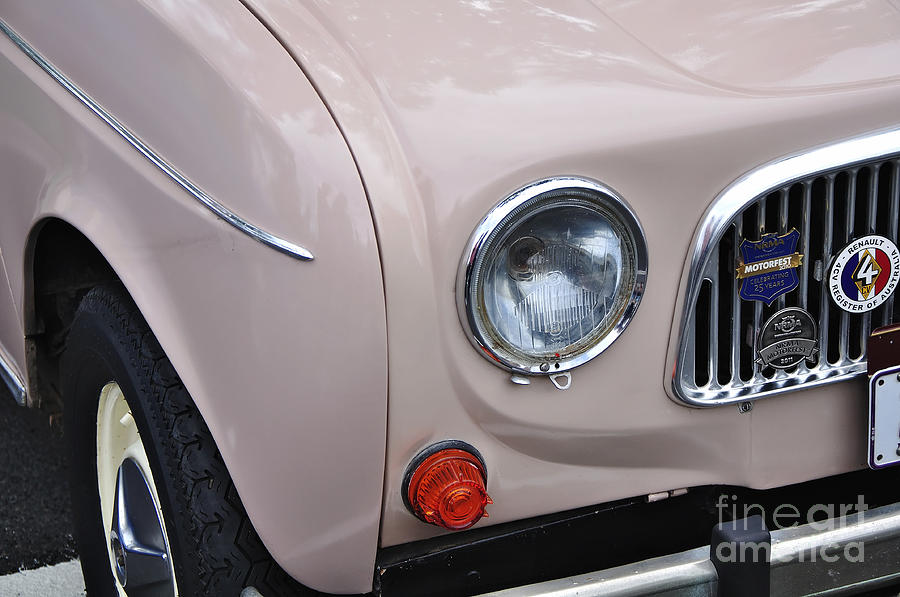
(800, 554)
(686, 574)
(715, 222)
(279, 244)
(12, 381)
(495, 217)
(805, 560)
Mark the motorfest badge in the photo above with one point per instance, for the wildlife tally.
(864, 274)
(787, 338)
(769, 266)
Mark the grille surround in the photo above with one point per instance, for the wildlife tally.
(724, 215)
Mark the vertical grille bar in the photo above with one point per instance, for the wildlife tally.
(895, 208)
(736, 308)
(827, 231)
(757, 305)
(871, 219)
(714, 322)
(873, 200)
(783, 197)
(690, 356)
(804, 245)
(844, 338)
(803, 292)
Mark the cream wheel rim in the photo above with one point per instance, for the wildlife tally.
(133, 523)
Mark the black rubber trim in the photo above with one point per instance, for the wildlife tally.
(741, 552)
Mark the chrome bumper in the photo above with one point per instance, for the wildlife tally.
(805, 560)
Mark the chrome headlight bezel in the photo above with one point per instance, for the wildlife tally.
(524, 203)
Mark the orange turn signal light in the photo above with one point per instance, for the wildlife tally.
(448, 489)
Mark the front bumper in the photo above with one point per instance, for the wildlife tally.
(838, 556)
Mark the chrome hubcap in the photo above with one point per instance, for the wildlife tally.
(118, 553)
(137, 544)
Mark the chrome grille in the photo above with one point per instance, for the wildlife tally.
(847, 195)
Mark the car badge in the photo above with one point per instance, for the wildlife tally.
(864, 274)
(769, 266)
(787, 338)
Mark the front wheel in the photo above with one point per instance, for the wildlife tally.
(156, 512)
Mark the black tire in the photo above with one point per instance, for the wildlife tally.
(214, 547)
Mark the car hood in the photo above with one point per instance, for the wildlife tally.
(485, 86)
(751, 45)
(768, 45)
(518, 69)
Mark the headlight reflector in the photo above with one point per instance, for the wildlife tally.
(552, 275)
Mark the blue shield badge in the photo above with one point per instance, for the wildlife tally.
(769, 266)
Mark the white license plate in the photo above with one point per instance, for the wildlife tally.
(884, 418)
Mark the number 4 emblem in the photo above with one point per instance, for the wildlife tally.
(866, 274)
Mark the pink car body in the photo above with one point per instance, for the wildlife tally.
(376, 137)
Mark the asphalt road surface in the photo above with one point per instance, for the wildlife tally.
(58, 580)
(36, 518)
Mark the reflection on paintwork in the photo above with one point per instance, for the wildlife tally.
(769, 45)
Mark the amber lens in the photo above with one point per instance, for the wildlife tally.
(448, 490)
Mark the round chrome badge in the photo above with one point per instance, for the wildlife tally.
(864, 274)
(787, 338)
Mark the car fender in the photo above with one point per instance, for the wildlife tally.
(285, 358)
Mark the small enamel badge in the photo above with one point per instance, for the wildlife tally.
(769, 266)
(787, 338)
(864, 274)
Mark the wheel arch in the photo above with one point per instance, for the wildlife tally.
(61, 265)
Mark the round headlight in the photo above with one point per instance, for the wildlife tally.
(552, 276)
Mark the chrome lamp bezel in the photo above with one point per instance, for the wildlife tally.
(607, 199)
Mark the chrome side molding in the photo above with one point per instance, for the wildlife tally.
(12, 381)
(270, 240)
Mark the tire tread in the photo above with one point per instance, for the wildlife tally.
(220, 541)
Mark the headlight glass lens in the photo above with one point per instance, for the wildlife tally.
(554, 276)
